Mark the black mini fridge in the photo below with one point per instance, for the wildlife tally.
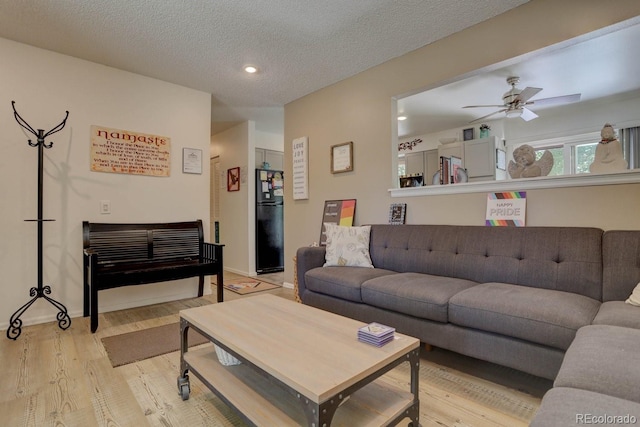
(269, 221)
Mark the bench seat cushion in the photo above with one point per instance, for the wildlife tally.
(341, 282)
(542, 316)
(618, 313)
(603, 359)
(571, 407)
(420, 295)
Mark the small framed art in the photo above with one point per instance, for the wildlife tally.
(191, 160)
(342, 157)
(397, 213)
(233, 179)
(467, 134)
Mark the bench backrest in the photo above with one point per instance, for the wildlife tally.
(561, 258)
(142, 242)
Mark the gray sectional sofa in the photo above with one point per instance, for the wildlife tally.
(515, 296)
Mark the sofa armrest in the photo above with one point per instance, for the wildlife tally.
(308, 257)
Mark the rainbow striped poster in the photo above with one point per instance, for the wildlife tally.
(341, 212)
(506, 209)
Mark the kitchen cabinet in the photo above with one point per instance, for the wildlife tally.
(454, 149)
(480, 159)
(423, 163)
(274, 158)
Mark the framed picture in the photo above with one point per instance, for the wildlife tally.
(467, 134)
(233, 179)
(342, 157)
(501, 159)
(191, 160)
(397, 213)
(339, 212)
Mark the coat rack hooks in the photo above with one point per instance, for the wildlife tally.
(41, 291)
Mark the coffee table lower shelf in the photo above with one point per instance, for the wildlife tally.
(261, 402)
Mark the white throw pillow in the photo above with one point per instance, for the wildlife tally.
(347, 246)
(634, 298)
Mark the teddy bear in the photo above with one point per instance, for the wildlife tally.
(526, 165)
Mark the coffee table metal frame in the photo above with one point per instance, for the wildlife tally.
(318, 414)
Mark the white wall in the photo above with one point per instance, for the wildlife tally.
(45, 84)
(236, 148)
(269, 140)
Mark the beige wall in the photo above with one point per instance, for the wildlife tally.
(44, 84)
(360, 109)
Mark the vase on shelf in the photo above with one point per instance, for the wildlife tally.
(484, 133)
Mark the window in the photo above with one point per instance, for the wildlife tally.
(583, 157)
(571, 155)
(574, 154)
(402, 168)
(558, 159)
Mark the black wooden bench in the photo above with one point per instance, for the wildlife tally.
(134, 254)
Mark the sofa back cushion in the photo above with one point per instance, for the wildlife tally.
(621, 263)
(560, 258)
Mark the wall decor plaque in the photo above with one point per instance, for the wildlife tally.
(123, 151)
(342, 157)
(300, 155)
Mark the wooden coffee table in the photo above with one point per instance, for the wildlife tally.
(299, 365)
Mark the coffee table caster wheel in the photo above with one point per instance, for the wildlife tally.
(183, 387)
(184, 392)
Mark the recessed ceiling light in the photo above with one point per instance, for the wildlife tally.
(250, 69)
(401, 118)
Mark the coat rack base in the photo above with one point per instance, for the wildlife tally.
(15, 323)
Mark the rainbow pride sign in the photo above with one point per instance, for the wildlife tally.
(506, 209)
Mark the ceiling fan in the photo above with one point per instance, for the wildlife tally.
(515, 101)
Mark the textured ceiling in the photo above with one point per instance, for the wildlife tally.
(299, 46)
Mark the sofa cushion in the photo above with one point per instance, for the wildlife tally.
(603, 359)
(419, 295)
(341, 282)
(539, 315)
(618, 313)
(569, 407)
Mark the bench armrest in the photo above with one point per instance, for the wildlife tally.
(212, 251)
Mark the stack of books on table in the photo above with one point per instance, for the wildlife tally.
(376, 334)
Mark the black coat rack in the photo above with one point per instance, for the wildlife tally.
(41, 291)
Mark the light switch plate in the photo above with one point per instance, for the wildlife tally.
(105, 206)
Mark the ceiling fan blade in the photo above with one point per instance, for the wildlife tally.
(477, 106)
(556, 100)
(488, 115)
(528, 115)
(527, 93)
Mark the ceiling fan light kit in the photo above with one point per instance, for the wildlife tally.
(515, 101)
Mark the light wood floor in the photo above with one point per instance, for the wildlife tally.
(52, 377)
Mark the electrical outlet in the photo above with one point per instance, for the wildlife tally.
(105, 206)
